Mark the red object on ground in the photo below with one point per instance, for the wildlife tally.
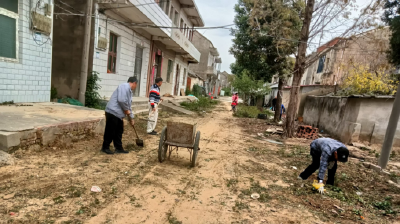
(308, 132)
(212, 97)
(12, 213)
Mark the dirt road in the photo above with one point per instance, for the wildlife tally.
(52, 185)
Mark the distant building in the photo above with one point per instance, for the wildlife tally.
(210, 63)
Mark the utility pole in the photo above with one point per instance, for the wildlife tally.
(390, 131)
(85, 51)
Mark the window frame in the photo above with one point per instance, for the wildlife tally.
(170, 68)
(113, 54)
(171, 12)
(167, 7)
(176, 19)
(13, 15)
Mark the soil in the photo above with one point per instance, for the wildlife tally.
(53, 184)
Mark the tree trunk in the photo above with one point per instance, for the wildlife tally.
(279, 100)
(299, 70)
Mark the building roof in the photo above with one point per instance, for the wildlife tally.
(193, 13)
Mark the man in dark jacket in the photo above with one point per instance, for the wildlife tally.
(325, 153)
(119, 107)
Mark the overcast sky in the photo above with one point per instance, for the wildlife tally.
(218, 13)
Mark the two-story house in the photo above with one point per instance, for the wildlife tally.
(210, 63)
(141, 38)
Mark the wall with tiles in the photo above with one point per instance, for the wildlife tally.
(28, 78)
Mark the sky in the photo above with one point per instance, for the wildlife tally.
(221, 12)
(218, 13)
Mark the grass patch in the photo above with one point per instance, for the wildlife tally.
(240, 206)
(203, 104)
(250, 111)
(255, 187)
(58, 200)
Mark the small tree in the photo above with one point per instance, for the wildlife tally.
(249, 87)
(92, 97)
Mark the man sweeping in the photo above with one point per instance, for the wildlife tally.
(154, 100)
(119, 107)
(325, 153)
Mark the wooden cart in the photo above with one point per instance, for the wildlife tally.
(176, 135)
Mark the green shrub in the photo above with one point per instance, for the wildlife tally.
(53, 93)
(203, 104)
(92, 97)
(247, 111)
(227, 91)
(197, 91)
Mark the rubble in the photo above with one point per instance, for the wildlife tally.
(5, 159)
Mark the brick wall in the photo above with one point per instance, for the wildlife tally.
(27, 79)
(126, 51)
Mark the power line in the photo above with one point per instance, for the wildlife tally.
(143, 25)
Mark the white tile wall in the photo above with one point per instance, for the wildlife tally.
(127, 41)
(28, 79)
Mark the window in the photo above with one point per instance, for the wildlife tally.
(138, 67)
(8, 27)
(167, 8)
(321, 64)
(112, 53)
(176, 18)
(169, 71)
(182, 25)
(185, 29)
(184, 77)
(171, 13)
(138, 61)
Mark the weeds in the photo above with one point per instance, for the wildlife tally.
(240, 206)
(247, 111)
(74, 192)
(7, 102)
(255, 187)
(231, 182)
(58, 200)
(172, 219)
(203, 104)
(385, 205)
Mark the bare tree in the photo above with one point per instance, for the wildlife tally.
(320, 18)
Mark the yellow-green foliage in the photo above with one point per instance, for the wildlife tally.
(361, 80)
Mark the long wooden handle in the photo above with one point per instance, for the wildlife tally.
(137, 136)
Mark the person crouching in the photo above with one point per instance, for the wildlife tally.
(325, 153)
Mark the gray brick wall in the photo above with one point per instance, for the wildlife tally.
(28, 79)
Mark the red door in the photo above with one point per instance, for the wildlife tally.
(189, 83)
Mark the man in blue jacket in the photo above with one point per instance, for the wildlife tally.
(325, 153)
(119, 107)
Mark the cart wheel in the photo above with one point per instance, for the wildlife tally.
(162, 147)
(195, 148)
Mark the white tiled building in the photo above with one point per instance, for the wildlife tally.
(25, 55)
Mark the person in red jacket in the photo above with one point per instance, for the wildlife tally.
(235, 101)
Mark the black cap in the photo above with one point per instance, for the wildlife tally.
(343, 154)
(132, 79)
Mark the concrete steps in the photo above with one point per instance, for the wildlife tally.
(175, 109)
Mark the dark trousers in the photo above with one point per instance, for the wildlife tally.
(315, 166)
(113, 132)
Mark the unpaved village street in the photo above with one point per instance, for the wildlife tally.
(52, 184)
